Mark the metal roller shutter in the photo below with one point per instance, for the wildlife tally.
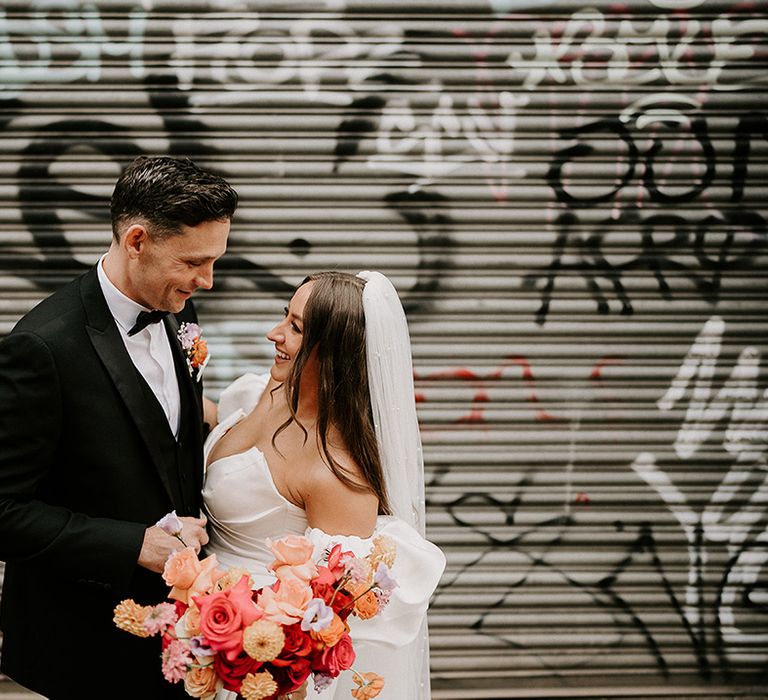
(571, 199)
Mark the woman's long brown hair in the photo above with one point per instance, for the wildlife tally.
(334, 324)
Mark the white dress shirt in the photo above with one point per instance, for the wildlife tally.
(149, 349)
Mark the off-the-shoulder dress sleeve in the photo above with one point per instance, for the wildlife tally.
(243, 394)
(417, 570)
(395, 642)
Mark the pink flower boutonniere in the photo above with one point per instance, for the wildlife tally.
(195, 348)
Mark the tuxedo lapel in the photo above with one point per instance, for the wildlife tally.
(189, 393)
(108, 344)
(187, 385)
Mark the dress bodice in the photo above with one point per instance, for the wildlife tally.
(242, 503)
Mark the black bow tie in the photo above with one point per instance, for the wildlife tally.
(146, 318)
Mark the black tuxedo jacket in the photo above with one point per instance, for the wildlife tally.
(87, 462)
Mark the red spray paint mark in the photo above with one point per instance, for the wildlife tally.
(596, 375)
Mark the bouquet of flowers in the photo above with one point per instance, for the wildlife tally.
(219, 633)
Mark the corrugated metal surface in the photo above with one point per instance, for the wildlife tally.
(572, 200)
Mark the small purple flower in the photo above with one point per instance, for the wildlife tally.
(322, 682)
(170, 524)
(383, 580)
(199, 647)
(317, 616)
(188, 333)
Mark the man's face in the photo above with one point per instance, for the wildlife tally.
(164, 273)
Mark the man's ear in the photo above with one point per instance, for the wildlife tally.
(134, 240)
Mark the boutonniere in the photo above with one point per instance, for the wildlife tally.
(195, 348)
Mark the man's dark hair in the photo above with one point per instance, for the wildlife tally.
(166, 193)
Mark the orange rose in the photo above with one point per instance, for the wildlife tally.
(333, 633)
(208, 575)
(366, 605)
(200, 682)
(369, 685)
(182, 568)
(191, 619)
(286, 602)
(189, 576)
(198, 352)
(293, 558)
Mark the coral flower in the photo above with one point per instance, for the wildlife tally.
(331, 634)
(198, 352)
(366, 604)
(258, 685)
(369, 685)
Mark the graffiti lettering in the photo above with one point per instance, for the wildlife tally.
(69, 42)
(239, 56)
(591, 51)
(699, 251)
(734, 513)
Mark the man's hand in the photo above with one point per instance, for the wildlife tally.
(158, 545)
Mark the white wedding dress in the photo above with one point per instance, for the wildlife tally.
(244, 507)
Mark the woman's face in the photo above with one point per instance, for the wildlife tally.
(287, 335)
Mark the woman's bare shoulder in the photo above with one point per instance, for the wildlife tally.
(335, 506)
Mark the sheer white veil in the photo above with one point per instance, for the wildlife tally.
(390, 378)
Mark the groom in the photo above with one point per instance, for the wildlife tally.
(101, 434)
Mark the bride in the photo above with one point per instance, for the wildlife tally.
(327, 444)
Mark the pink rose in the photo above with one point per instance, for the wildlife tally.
(224, 615)
(285, 602)
(293, 558)
(337, 658)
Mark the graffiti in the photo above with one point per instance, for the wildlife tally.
(715, 601)
(700, 251)
(405, 145)
(592, 50)
(70, 42)
(241, 57)
(516, 169)
(722, 240)
(734, 514)
(482, 384)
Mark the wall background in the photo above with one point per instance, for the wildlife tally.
(571, 198)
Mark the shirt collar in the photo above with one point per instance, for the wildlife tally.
(123, 309)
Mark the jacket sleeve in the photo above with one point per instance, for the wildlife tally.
(74, 545)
